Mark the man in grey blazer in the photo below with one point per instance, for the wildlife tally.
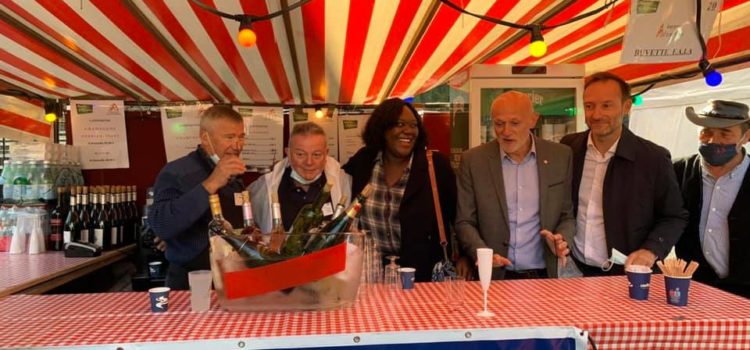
(514, 195)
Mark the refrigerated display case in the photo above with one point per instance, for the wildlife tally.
(556, 91)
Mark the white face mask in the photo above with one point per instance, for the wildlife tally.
(297, 177)
(616, 258)
(214, 157)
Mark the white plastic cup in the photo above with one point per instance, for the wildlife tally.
(200, 290)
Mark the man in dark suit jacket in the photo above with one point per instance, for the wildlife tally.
(514, 195)
(715, 185)
(624, 190)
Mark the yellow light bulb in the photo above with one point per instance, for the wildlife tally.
(538, 48)
(318, 113)
(246, 37)
(50, 117)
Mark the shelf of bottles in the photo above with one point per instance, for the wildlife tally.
(103, 215)
(34, 170)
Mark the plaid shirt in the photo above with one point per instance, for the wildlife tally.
(380, 212)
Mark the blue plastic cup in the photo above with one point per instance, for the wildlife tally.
(677, 290)
(159, 299)
(639, 279)
(154, 269)
(407, 277)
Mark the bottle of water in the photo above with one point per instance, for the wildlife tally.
(20, 180)
(34, 177)
(46, 182)
(7, 176)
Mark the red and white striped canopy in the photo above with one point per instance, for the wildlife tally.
(327, 51)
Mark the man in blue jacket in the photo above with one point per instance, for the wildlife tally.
(180, 213)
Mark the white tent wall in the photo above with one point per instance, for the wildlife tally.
(661, 118)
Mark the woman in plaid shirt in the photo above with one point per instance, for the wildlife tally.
(400, 215)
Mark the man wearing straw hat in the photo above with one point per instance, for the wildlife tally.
(715, 186)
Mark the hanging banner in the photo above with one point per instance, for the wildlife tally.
(23, 120)
(328, 122)
(350, 135)
(180, 125)
(264, 137)
(98, 128)
(664, 30)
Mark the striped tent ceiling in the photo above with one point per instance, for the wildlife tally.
(327, 51)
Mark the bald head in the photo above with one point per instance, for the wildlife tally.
(512, 117)
(513, 103)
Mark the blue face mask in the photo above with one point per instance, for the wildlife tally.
(717, 154)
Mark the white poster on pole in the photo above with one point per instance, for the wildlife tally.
(328, 121)
(350, 135)
(664, 30)
(180, 125)
(98, 128)
(264, 136)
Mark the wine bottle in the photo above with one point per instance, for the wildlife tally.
(328, 236)
(340, 207)
(277, 231)
(113, 218)
(309, 216)
(56, 222)
(119, 215)
(218, 225)
(253, 253)
(83, 214)
(103, 227)
(72, 228)
(249, 229)
(135, 215)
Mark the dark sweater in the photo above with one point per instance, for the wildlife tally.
(689, 177)
(180, 213)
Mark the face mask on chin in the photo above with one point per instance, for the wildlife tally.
(297, 177)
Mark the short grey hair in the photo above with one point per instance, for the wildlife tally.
(219, 112)
(306, 128)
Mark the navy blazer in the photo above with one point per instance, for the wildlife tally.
(420, 239)
(689, 246)
(642, 204)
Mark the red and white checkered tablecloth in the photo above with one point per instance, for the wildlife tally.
(21, 269)
(713, 319)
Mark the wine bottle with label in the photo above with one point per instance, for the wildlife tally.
(57, 221)
(309, 216)
(340, 224)
(278, 234)
(249, 229)
(103, 227)
(72, 228)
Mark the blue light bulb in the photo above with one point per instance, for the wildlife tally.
(409, 99)
(713, 78)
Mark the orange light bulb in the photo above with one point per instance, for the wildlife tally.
(246, 37)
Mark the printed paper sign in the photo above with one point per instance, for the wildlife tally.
(98, 129)
(264, 136)
(664, 30)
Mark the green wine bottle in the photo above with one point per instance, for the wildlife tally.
(341, 224)
(309, 216)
